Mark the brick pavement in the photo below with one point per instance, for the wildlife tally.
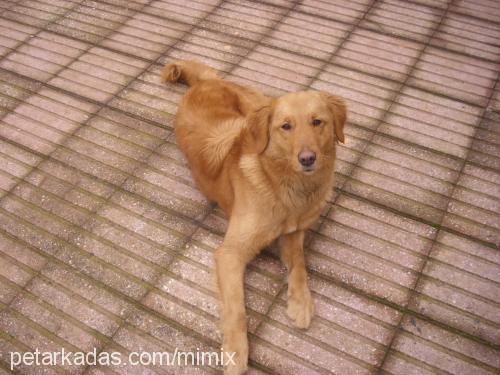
(105, 242)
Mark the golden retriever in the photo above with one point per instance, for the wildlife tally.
(269, 164)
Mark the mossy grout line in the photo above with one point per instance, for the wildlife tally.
(81, 125)
(118, 109)
(147, 292)
(325, 61)
(414, 293)
(344, 192)
(398, 328)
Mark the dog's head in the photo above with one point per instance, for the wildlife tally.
(298, 129)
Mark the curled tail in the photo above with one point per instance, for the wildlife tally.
(190, 72)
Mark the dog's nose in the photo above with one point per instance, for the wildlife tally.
(307, 158)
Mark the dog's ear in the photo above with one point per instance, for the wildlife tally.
(339, 110)
(256, 133)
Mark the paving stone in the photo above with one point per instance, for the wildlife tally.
(434, 348)
(459, 287)
(15, 346)
(173, 12)
(279, 360)
(485, 149)
(367, 97)
(378, 54)
(121, 258)
(352, 243)
(14, 273)
(160, 328)
(25, 131)
(130, 339)
(27, 258)
(485, 10)
(344, 11)
(463, 247)
(307, 35)
(266, 89)
(91, 22)
(306, 349)
(283, 72)
(17, 86)
(216, 46)
(185, 314)
(32, 335)
(63, 299)
(87, 72)
(70, 183)
(7, 4)
(132, 104)
(44, 219)
(24, 232)
(100, 154)
(445, 127)
(123, 126)
(162, 197)
(51, 51)
(404, 20)
(348, 323)
(472, 84)
(142, 226)
(13, 34)
(88, 288)
(52, 203)
(114, 277)
(401, 196)
(470, 220)
(478, 191)
(45, 120)
(90, 166)
(55, 323)
(254, 20)
(468, 35)
(29, 14)
(146, 91)
(13, 168)
(145, 36)
(172, 168)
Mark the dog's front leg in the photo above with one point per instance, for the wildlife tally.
(230, 262)
(300, 303)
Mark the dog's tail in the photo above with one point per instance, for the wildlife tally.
(190, 72)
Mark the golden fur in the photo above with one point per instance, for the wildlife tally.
(245, 159)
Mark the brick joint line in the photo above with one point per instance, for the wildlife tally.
(413, 291)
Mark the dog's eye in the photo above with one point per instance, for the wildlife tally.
(286, 126)
(316, 122)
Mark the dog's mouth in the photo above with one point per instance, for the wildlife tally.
(309, 170)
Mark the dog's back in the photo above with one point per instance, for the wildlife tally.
(210, 120)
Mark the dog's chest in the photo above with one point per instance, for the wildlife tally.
(290, 225)
(301, 219)
(302, 207)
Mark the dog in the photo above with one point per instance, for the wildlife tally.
(269, 164)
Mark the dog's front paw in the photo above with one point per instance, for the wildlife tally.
(301, 307)
(236, 354)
